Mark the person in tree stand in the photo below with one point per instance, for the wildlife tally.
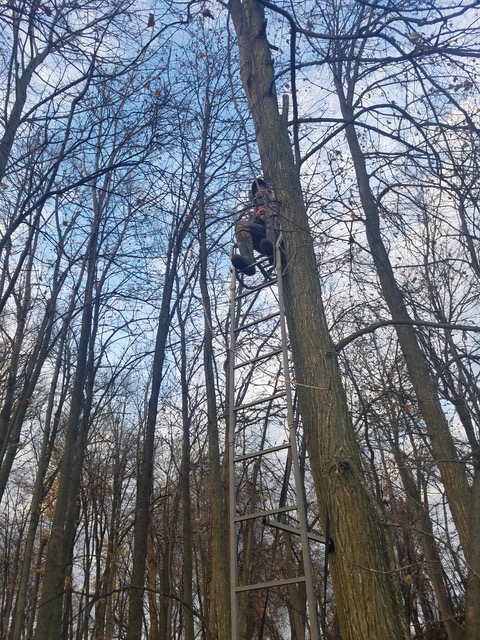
(259, 230)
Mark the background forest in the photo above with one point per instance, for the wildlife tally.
(131, 131)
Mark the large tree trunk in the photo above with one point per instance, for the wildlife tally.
(464, 508)
(364, 580)
(443, 448)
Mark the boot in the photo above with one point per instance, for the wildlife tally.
(268, 244)
(244, 261)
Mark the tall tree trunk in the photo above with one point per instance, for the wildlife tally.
(220, 573)
(14, 420)
(50, 430)
(443, 448)
(364, 580)
(153, 613)
(104, 606)
(10, 578)
(187, 537)
(424, 528)
(472, 608)
(35, 590)
(145, 477)
(465, 510)
(60, 543)
(8, 432)
(166, 565)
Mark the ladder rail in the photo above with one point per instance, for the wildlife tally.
(231, 465)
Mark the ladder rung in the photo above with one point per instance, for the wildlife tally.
(263, 452)
(267, 585)
(262, 514)
(254, 322)
(280, 394)
(258, 287)
(244, 422)
(286, 527)
(270, 354)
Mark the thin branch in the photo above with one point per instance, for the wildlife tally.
(385, 323)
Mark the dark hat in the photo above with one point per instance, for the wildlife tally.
(256, 184)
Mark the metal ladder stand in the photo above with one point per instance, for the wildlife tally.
(270, 555)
